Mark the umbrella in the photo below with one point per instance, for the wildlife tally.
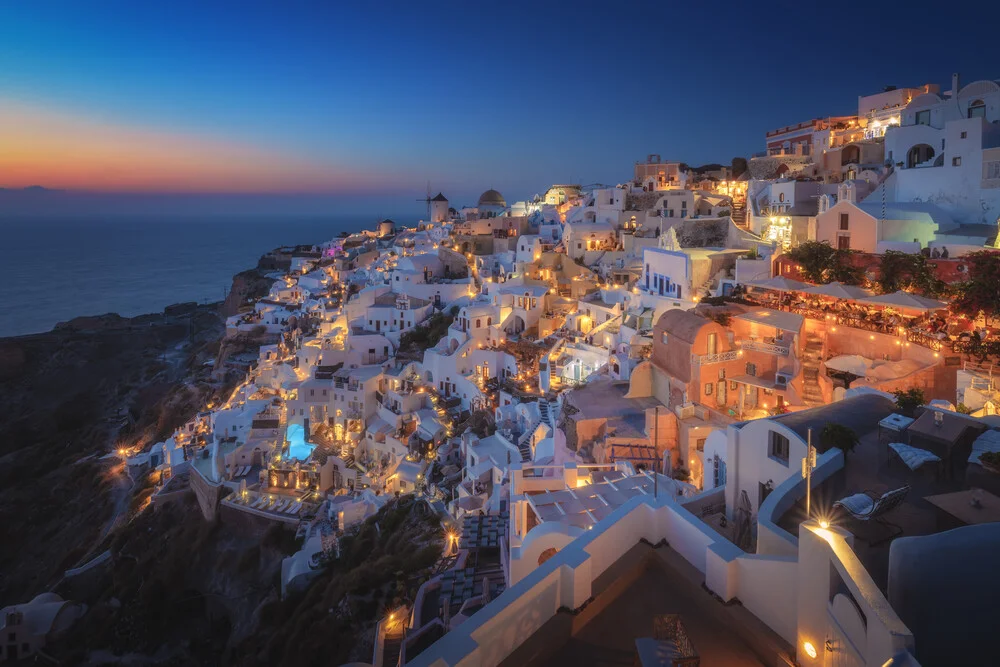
(838, 291)
(942, 403)
(850, 363)
(906, 301)
(780, 284)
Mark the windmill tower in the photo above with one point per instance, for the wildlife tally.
(427, 200)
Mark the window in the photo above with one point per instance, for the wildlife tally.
(923, 117)
(699, 444)
(751, 369)
(781, 196)
(964, 135)
(977, 109)
(845, 220)
(956, 162)
(663, 338)
(722, 374)
(763, 491)
(777, 447)
(708, 388)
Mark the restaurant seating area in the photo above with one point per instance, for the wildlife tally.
(920, 320)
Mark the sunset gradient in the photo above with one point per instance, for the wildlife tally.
(78, 153)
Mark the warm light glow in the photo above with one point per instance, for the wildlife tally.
(809, 649)
(824, 524)
(62, 149)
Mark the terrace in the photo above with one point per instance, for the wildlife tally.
(643, 584)
(874, 467)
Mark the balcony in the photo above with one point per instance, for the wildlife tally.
(707, 359)
(766, 347)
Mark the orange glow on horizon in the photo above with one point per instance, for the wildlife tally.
(59, 151)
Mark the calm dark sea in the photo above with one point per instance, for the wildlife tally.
(60, 269)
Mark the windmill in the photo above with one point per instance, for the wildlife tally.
(428, 200)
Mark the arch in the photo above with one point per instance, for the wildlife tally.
(781, 170)
(976, 109)
(547, 554)
(516, 326)
(850, 155)
(918, 155)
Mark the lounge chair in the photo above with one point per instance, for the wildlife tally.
(913, 457)
(869, 506)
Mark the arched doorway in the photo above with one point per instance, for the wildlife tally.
(918, 155)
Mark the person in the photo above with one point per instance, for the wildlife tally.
(944, 252)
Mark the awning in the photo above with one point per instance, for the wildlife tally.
(838, 291)
(780, 284)
(905, 300)
(778, 319)
(850, 363)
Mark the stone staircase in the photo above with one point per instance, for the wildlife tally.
(545, 410)
(811, 360)
(524, 442)
(739, 215)
(391, 649)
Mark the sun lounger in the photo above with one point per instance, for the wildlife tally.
(913, 457)
(293, 508)
(868, 506)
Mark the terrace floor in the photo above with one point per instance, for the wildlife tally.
(644, 583)
(868, 468)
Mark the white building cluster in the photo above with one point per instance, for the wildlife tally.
(583, 383)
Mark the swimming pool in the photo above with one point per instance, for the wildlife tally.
(298, 448)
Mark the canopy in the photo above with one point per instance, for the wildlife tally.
(850, 363)
(780, 284)
(838, 291)
(905, 300)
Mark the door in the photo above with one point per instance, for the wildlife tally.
(713, 343)
(720, 392)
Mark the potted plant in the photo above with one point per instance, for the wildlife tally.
(990, 461)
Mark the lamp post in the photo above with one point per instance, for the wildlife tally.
(808, 463)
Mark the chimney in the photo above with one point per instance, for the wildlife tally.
(955, 84)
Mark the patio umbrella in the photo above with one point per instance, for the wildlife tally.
(780, 284)
(906, 301)
(838, 291)
(942, 403)
(850, 363)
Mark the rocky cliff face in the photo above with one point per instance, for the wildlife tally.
(248, 286)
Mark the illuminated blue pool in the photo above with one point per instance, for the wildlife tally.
(298, 448)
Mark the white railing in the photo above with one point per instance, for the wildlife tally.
(706, 359)
(769, 348)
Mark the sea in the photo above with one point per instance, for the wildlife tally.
(58, 269)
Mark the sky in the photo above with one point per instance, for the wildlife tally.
(302, 107)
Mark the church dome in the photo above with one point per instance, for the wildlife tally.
(492, 198)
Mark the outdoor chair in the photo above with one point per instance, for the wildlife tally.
(913, 457)
(871, 507)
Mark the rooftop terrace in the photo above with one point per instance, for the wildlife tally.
(874, 468)
(643, 584)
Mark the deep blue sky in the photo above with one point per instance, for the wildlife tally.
(350, 96)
